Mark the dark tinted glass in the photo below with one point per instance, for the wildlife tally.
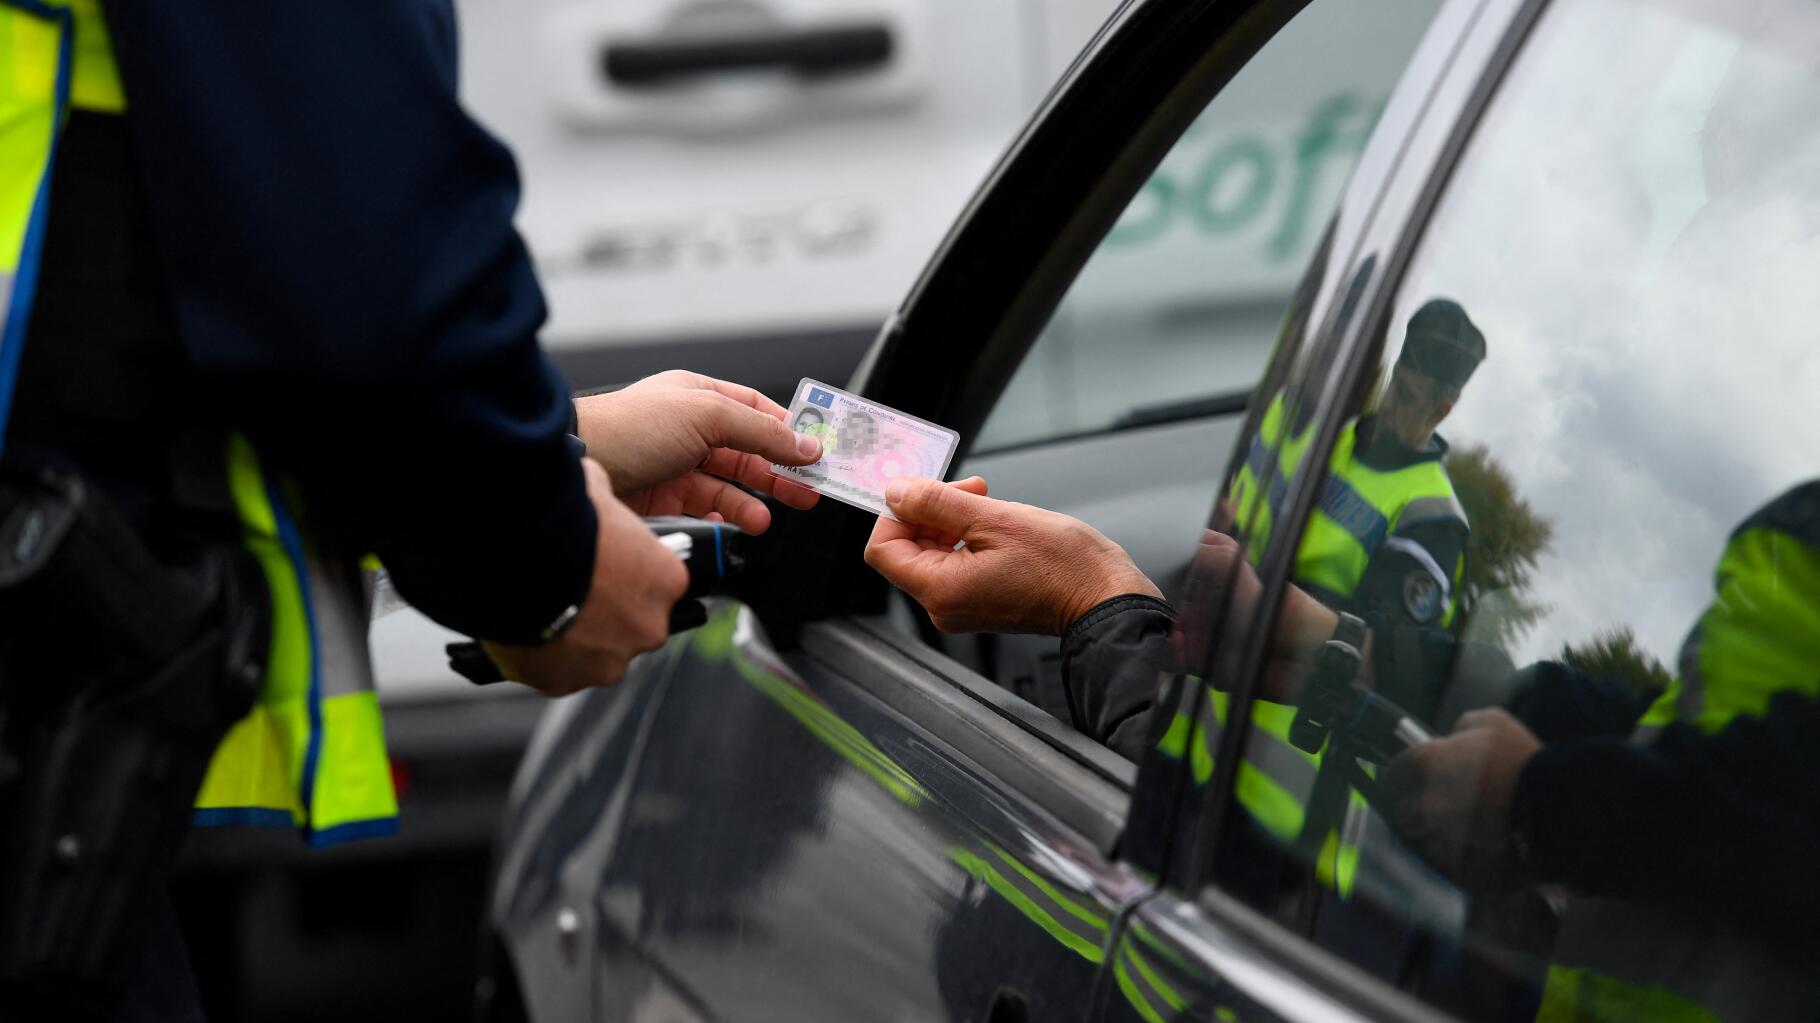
(1568, 767)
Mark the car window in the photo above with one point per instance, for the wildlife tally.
(1563, 765)
(1175, 313)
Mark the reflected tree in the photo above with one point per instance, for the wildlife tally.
(1614, 654)
(1508, 538)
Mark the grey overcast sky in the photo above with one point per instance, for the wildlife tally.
(1636, 227)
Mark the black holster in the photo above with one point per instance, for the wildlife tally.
(122, 666)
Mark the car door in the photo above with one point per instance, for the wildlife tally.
(1605, 188)
(809, 809)
(1207, 923)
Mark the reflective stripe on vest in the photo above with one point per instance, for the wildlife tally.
(312, 752)
(1573, 995)
(54, 54)
(37, 42)
(1631, 959)
(1275, 779)
(1263, 478)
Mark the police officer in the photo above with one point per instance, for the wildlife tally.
(1385, 543)
(1387, 534)
(262, 308)
(1684, 829)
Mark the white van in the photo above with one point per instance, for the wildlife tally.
(748, 187)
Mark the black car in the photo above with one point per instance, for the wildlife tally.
(816, 806)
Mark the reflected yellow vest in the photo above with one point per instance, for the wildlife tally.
(311, 754)
(1624, 959)
(1359, 510)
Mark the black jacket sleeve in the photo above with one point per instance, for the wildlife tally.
(1559, 703)
(1112, 658)
(1114, 655)
(1729, 822)
(337, 237)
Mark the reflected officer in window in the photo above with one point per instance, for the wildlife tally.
(1387, 535)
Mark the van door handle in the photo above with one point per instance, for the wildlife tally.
(809, 53)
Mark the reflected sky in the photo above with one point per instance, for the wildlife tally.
(1636, 228)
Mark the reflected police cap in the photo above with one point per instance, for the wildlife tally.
(1443, 343)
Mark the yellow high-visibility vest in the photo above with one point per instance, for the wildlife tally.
(1360, 510)
(311, 754)
(1622, 959)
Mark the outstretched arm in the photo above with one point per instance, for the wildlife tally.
(1020, 569)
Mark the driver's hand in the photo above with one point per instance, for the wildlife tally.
(1023, 569)
(627, 610)
(672, 442)
(1452, 797)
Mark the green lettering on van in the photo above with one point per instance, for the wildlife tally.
(1238, 181)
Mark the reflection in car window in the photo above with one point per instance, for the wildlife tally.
(1180, 304)
(1619, 817)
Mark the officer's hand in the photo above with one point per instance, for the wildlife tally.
(1452, 797)
(627, 611)
(672, 441)
(1023, 569)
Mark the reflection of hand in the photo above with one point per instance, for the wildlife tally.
(1221, 583)
(1227, 584)
(1452, 797)
(1023, 569)
(672, 441)
(1225, 517)
(627, 610)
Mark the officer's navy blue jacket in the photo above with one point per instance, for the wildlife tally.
(335, 239)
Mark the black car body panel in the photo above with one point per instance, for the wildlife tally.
(803, 810)
(874, 858)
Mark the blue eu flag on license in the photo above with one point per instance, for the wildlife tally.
(817, 396)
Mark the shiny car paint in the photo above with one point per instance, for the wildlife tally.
(843, 864)
(801, 811)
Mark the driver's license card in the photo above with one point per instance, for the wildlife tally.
(864, 446)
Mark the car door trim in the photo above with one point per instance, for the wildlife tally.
(1083, 786)
(1284, 972)
(1026, 715)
